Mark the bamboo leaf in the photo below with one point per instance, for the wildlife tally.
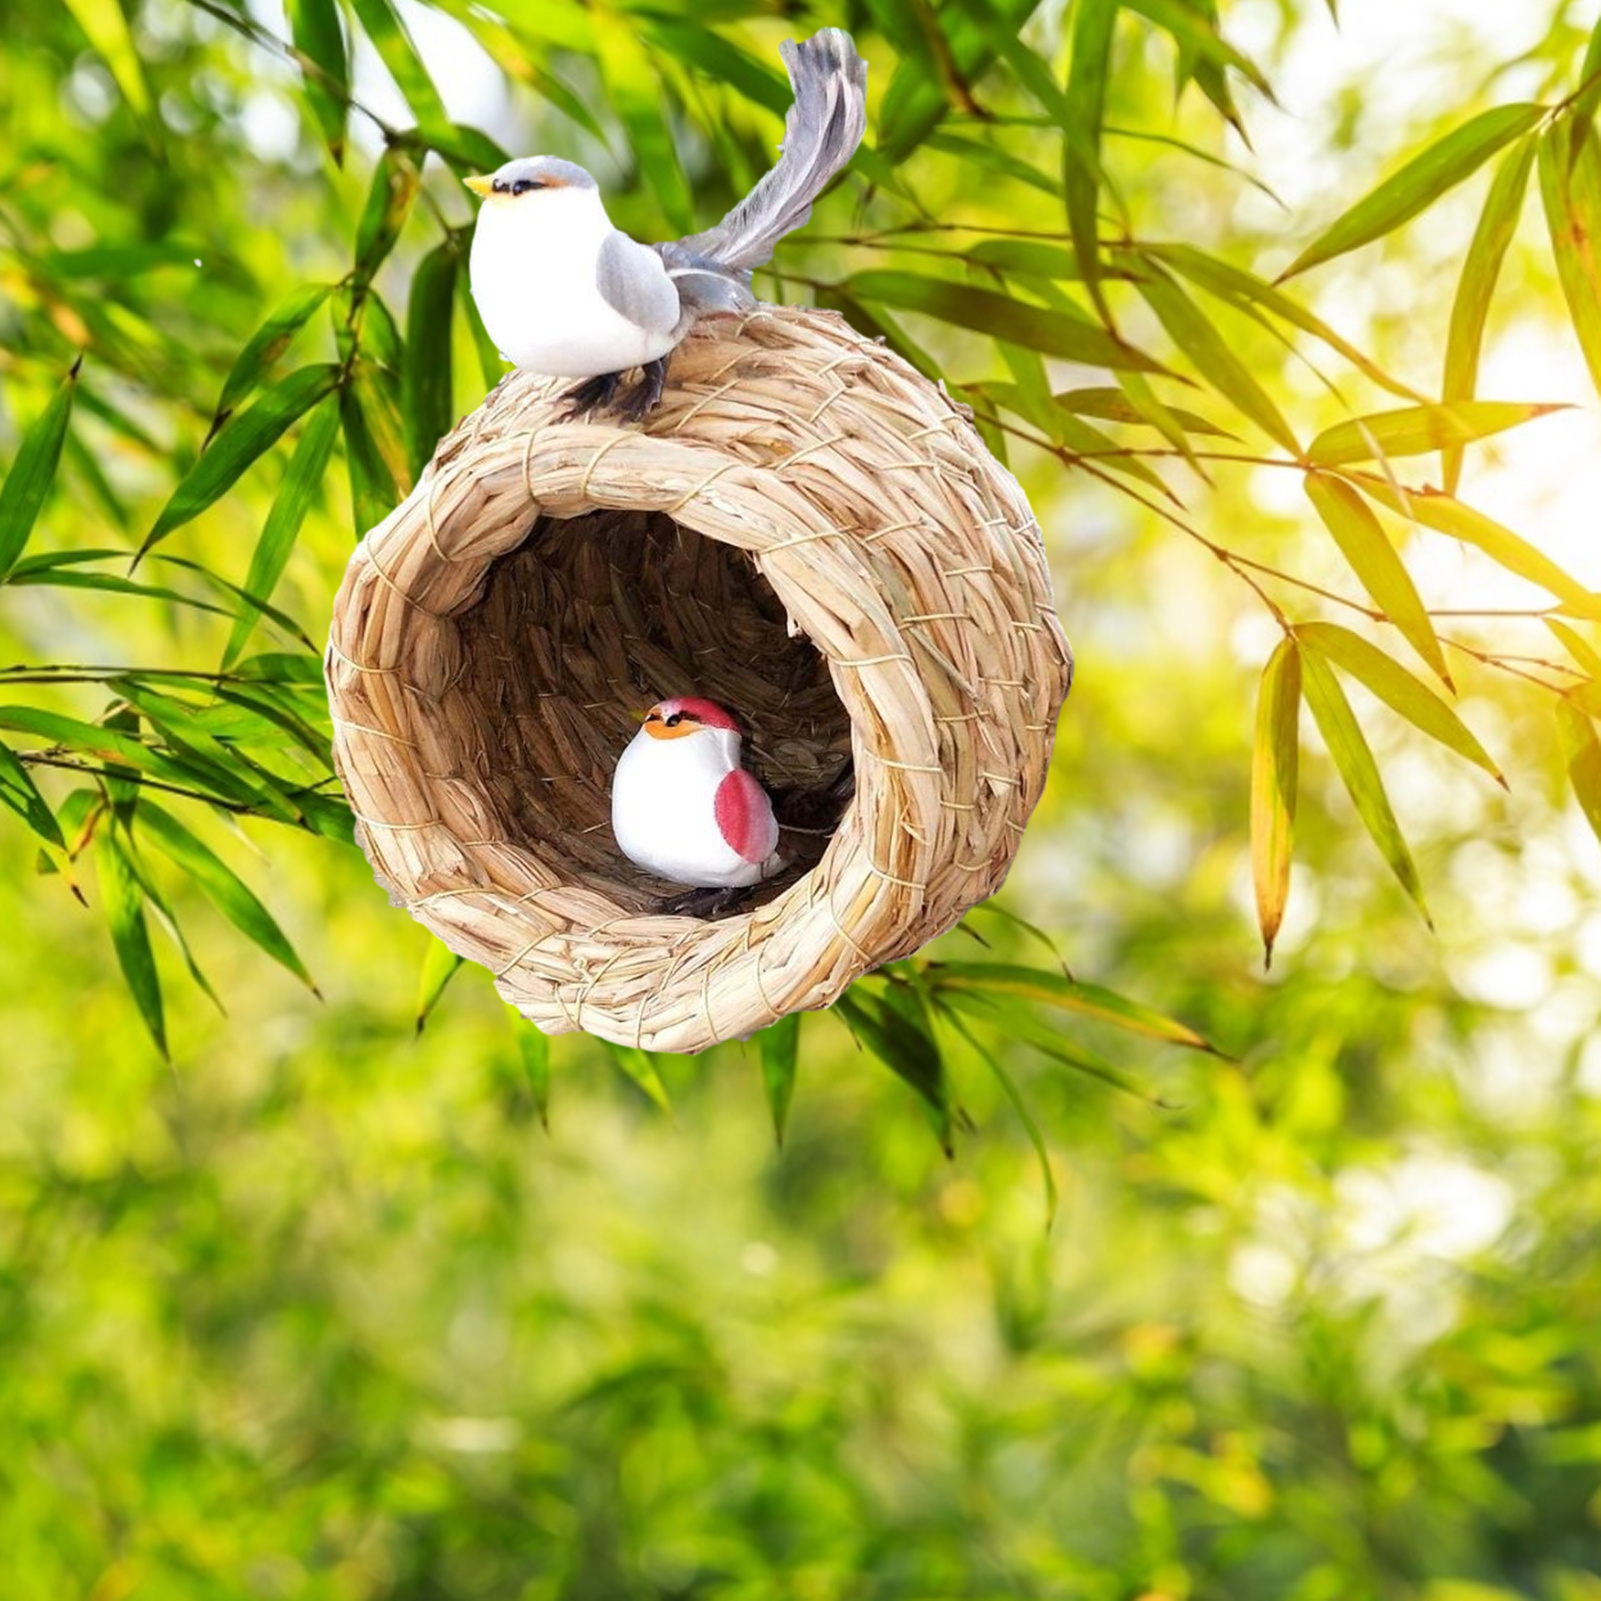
(301, 481)
(1582, 752)
(533, 1051)
(640, 1066)
(1401, 691)
(1275, 777)
(1052, 333)
(1365, 545)
(245, 437)
(1570, 189)
(395, 46)
(908, 1051)
(325, 73)
(440, 964)
(1093, 23)
(1056, 989)
(123, 900)
(1197, 34)
(1481, 268)
(266, 345)
(221, 886)
(1214, 358)
(375, 448)
(19, 793)
(779, 1045)
(389, 201)
(22, 495)
(1353, 761)
(1582, 651)
(1448, 515)
(635, 92)
(1414, 430)
(426, 377)
(1113, 405)
(1421, 182)
(106, 26)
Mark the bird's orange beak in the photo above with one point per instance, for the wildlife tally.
(480, 185)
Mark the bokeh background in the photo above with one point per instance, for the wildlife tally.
(312, 1304)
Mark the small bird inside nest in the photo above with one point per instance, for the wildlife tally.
(685, 808)
(563, 292)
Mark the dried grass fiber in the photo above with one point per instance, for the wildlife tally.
(806, 530)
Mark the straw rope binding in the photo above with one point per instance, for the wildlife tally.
(805, 530)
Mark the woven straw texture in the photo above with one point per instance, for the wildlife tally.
(805, 530)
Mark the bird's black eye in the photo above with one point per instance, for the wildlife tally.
(675, 719)
(523, 185)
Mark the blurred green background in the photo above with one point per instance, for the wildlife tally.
(314, 1305)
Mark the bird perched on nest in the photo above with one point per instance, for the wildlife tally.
(561, 291)
(683, 806)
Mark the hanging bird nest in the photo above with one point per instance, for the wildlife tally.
(806, 531)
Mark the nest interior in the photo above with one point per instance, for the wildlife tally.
(592, 620)
(805, 529)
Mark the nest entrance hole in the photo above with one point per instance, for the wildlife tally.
(592, 620)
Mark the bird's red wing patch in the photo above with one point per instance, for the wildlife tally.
(745, 816)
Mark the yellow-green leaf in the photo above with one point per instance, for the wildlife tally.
(1581, 650)
(122, 897)
(426, 377)
(1412, 430)
(375, 448)
(533, 1051)
(440, 964)
(1401, 691)
(1275, 775)
(779, 1045)
(1365, 545)
(1582, 752)
(1481, 267)
(33, 470)
(1092, 24)
(1353, 761)
(1570, 189)
(266, 345)
(106, 25)
(325, 68)
(1420, 183)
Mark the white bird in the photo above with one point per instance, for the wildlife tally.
(684, 808)
(561, 291)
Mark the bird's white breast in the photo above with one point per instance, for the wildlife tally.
(533, 274)
(664, 809)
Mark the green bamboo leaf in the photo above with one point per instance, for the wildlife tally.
(718, 59)
(1365, 545)
(1588, 98)
(60, 575)
(1197, 34)
(1026, 258)
(1049, 1042)
(301, 481)
(1275, 777)
(1582, 651)
(123, 899)
(1481, 268)
(1052, 333)
(976, 153)
(266, 345)
(106, 26)
(1353, 761)
(19, 793)
(426, 365)
(245, 437)
(1401, 691)
(1114, 405)
(325, 70)
(1414, 430)
(1421, 182)
(1056, 989)
(1214, 357)
(1093, 23)
(1448, 515)
(1062, 427)
(1582, 752)
(389, 201)
(1246, 292)
(779, 1044)
(22, 495)
(908, 1051)
(533, 1051)
(1570, 189)
(1019, 1104)
(640, 1066)
(395, 46)
(221, 886)
(375, 448)
(635, 93)
(440, 964)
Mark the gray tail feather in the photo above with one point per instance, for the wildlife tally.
(821, 133)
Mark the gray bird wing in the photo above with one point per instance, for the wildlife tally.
(633, 281)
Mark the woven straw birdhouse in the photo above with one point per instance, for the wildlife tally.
(806, 531)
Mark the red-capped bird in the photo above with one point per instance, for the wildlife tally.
(684, 808)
